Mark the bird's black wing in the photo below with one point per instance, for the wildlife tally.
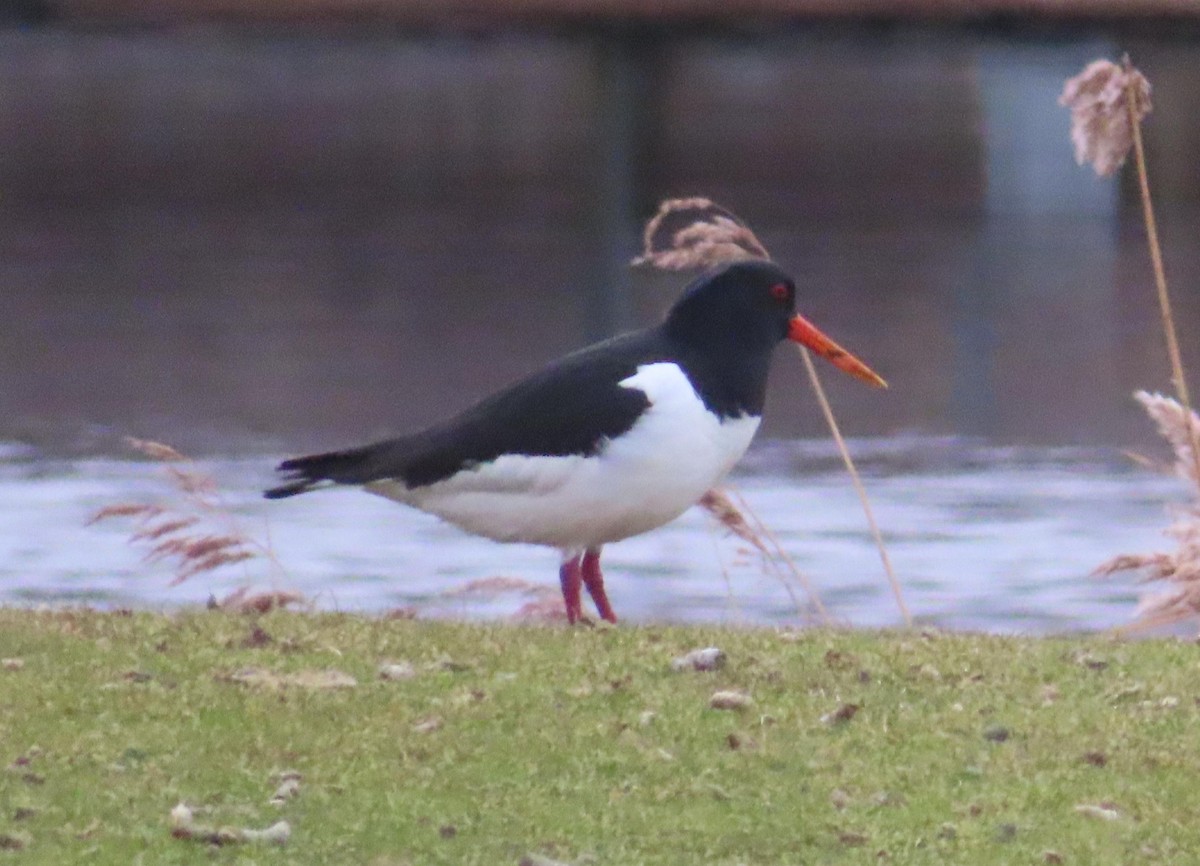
(571, 407)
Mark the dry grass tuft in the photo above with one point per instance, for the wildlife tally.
(490, 587)
(194, 530)
(244, 600)
(544, 605)
(546, 608)
(142, 510)
(1101, 127)
(155, 450)
(1180, 569)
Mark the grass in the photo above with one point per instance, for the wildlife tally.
(583, 746)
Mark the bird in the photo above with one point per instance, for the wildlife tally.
(605, 443)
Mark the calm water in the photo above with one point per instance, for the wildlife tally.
(983, 538)
(271, 243)
(291, 242)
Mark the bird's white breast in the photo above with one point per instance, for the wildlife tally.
(649, 475)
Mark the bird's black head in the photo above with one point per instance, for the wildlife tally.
(749, 304)
(738, 313)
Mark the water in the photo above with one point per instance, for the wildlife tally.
(982, 538)
(296, 241)
(252, 245)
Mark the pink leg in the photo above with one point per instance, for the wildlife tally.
(594, 581)
(571, 580)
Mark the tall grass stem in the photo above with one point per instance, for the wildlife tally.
(858, 485)
(1156, 260)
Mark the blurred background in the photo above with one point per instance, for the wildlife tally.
(250, 228)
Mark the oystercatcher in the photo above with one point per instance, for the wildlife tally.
(605, 443)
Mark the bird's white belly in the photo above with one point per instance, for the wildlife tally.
(650, 475)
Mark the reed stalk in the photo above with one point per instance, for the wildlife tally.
(859, 487)
(1133, 108)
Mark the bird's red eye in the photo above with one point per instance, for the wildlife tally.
(779, 291)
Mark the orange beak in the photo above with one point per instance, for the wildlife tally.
(804, 332)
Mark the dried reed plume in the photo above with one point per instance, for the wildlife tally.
(1180, 569)
(1102, 124)
(717, 503)
(693, 233)
(1108, 103)
(194, 531)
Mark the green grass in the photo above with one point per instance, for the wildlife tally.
(966, 749)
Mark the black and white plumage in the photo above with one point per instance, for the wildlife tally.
(608, 442)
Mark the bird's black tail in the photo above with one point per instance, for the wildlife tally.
(302, 474)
